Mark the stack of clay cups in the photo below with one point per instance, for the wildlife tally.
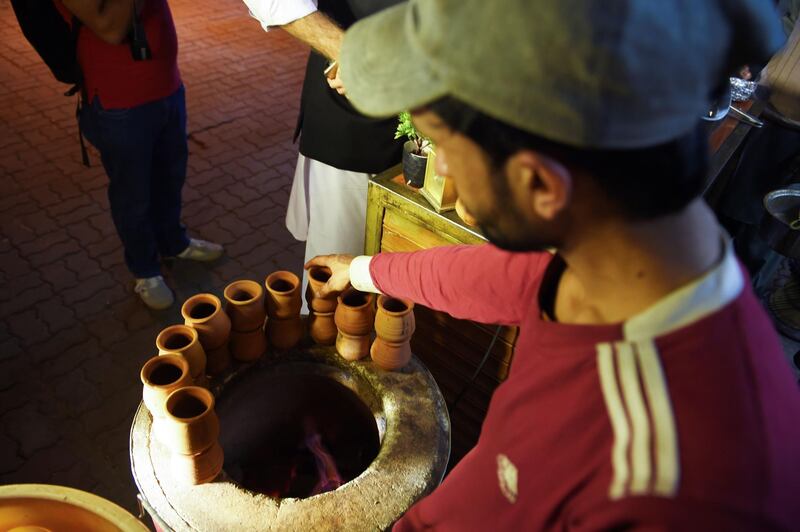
(190, 431)
(183, 340)
(203, 312)
(354, 317)
(321, 324)
(244, 304)
(284, 325)
(162, 375)
(394, 325)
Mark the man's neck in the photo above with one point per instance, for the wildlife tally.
(618, 269)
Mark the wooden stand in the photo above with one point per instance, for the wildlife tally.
(400, 219)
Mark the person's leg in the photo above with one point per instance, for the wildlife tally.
(170, 155)
(124, 139)
(297, 210)
(337, 210)
(337, 201)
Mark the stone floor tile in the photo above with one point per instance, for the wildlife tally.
(73, 335)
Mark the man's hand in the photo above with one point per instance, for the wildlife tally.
(334, 81)
(340, 272)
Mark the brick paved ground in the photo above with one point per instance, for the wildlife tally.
(72, 334)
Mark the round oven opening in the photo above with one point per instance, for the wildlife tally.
(295, 435)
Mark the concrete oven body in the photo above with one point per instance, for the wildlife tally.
(413, 445)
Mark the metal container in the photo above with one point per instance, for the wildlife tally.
(49, 507)
(780, 226)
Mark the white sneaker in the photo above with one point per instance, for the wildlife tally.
(154, 292)
(200, 250)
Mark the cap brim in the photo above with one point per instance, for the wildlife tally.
(382, 71)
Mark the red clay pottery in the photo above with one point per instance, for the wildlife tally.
(354, 313)
(354, 318)
(204, 313)
(352, 347)
(244, 304)
(394, 325)
(465, 216)
(247, 346)
(283, 295)
(390, 356)
(160, 376)
(317, 277)
(284, 334)
(217, 360)
(183, 339)
(322, 327)
(199, 468)
(394, 321)
(191, 425)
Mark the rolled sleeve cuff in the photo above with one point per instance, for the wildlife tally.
(360, 277)
(277, 13)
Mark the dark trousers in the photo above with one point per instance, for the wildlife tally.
(144, 152)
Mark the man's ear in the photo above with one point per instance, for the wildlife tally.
(544, 183)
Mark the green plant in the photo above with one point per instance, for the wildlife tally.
(405, 128)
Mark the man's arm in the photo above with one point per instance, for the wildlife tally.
(479, 283)
(108, 19)
(319, 32)
(301, 20)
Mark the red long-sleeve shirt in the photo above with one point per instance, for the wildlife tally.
(685, 417)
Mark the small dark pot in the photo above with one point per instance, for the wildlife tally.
(413, 165)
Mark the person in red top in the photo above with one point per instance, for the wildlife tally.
(134, 113)
(648, 389)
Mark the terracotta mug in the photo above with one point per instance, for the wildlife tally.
(183, 340)
(352, 347)
(354, 313)
(196, 469)
(394, 321)
(218, 360)
(283, 295)
(394, 326)
(247, 346)
(190, 426)
(322, 327)
(204, 313)
(161, 375)
(390, 356)
(244, 304)
(317, 277)
(284, 334)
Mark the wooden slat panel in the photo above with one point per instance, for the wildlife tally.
(453, 341)
(450, 348)
(417, 233)
(394, 242)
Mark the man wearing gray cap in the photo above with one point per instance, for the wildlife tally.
(648, 389)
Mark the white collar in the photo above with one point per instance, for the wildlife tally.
(692, 302)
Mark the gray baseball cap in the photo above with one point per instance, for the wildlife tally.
(588, 73)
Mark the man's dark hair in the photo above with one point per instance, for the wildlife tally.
(642, 183)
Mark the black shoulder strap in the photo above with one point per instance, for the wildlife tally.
(79, 87)
(76, 32)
